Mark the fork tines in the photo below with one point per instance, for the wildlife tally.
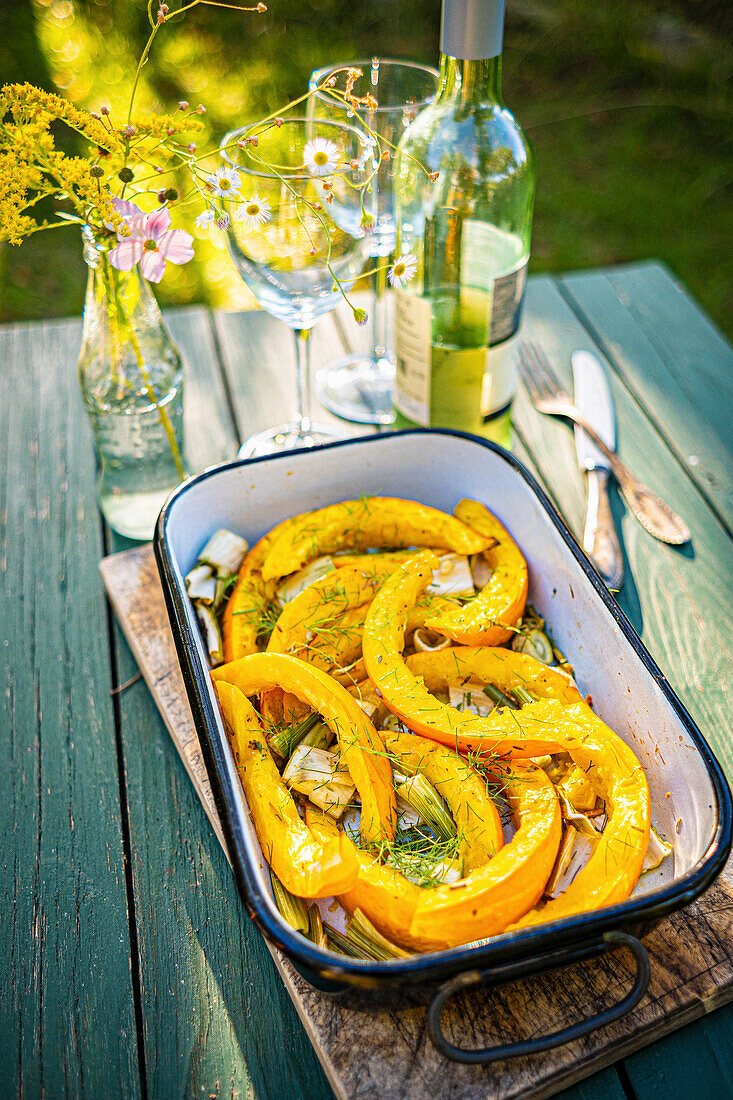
(537, 374)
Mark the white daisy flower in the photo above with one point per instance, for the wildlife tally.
(320, 156)
(254, 212)
(225, 182)
(206, 219)
(402, 270)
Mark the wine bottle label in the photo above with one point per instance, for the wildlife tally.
(500, 378)
(492, 260)
(412, 325)
(446, 386)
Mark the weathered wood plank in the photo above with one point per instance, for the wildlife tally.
(259, 361)
(602, 1086)
(697, 1061)
(673, 359)
(672, 596)
(216, 1017)
(67, 1020)
(210, 435)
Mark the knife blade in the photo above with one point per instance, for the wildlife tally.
(593, 399)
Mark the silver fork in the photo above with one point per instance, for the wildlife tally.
(548, 396)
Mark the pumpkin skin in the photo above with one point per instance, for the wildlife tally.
(309, 866)
(362, 748)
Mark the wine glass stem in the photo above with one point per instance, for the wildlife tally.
(379, 326)
(303, 380)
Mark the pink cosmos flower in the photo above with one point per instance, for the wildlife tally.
(151, 242)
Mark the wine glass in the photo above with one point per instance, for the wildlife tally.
(358, 387)
(294, 235)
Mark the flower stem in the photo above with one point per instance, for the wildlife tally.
(162, 411)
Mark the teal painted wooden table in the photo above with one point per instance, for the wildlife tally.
(130, 967)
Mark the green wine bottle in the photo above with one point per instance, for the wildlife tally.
(469, 231)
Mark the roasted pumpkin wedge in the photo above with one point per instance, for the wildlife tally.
(500, 603)
(490, 898)
(325, 615)
(364, 524)
(309, 866)
(403, 686)
(482, 903)
(362, 748)
(619, 780)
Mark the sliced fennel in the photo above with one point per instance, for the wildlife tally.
(296, 583)
(224, 552)
(453, 577)
(318, 774)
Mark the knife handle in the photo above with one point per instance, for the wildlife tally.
(600, 540)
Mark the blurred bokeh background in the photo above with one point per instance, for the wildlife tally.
(628, 103)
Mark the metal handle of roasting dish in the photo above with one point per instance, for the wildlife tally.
(501, 975)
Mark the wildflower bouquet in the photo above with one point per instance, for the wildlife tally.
(137, 169)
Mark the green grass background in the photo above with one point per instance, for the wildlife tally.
(628, 106)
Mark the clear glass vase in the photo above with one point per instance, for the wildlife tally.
(131, 381)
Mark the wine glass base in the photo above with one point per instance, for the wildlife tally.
(358, 388)
(285, 437)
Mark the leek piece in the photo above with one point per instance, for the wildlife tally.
(499, 697)
(212, 633)
(285, 741)
(472, 699)
(425, 800)
(481, 571)
(523, 696)
(427, 641)
(361, 931)
(335, 941)
(534, 643)
(318, 775)
(224, 552)
(201, 584)
(296, 583)
(453, 577)
(320, 737)
(293, 909)
(315, 931)
(583, 824)
(567, 845)
(579, 850)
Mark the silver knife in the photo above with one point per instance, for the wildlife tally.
(593, 400)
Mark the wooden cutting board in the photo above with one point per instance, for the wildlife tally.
(376, 1045)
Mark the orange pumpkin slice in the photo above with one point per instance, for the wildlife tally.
(362, 749)
(307, 865)
(500, 603)
(364, 524)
